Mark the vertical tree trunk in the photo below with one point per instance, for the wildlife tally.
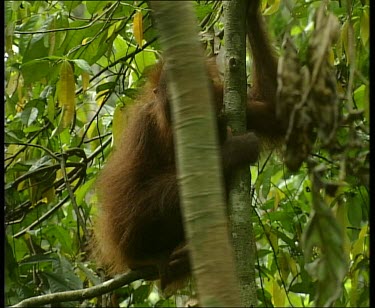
(198, 164)
(235, 99)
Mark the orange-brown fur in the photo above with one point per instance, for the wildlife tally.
(139, 222)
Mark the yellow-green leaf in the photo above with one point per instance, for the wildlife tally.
(138, 27)
(278, 295)
(365, 27)
(283, 260)
(84, 41)
(52, 38)
(113, 28)
(12, 83)
(274, 7)
(119, 122)
(344, 40)
(9, 30)
(277, 200)
(85, 81)
(354, 289)
(66, 95)
(273, 238)
(100, 96)
(331, 57)
(50, 108)
(358, 246)
(367, 104)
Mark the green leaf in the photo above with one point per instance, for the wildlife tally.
(329, 269)
(82, 191)
(71, 5)
(34, 71)
(11, 265)
(95, 6)
(88, 45)
(36, 48)
(354, 212)
(263, 252)
(105, 86)
(32, 128)
(360, 97)
(36, 259)
(66, 96)
(62, 236)
(29, 115)
(145, 59)
(141, 293)
(273, 8)
(302, 287)
(82, 64)
(365, 27)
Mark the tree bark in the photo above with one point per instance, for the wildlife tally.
(198, 162)
(235, 99)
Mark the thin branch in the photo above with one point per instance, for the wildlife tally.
(148, 273)
(44, 169)
(49, 152)
(69, 29)
(100, 149)
(42, 218)
(122, 59)
(81, 221)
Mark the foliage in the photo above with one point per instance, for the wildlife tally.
(57, 142)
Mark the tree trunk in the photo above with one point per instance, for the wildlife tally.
(235, 99)
(198, 163)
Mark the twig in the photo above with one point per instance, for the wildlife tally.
(82, 294)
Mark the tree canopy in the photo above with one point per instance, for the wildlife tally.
(73, 69)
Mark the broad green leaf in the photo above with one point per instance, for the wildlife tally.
(62, 280)
(82, 64)
(95, 6)
(354, 212)
(141, 293)
(82, 191)
(70, 5)
(29, 115)
(32, 128)
(145, 59)
(88, 45)
(121, 47)
(11, 265)
(38, 259)
(34, 71)
(358, 96)
(105, 86)
(330, 267)
(90, 274)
